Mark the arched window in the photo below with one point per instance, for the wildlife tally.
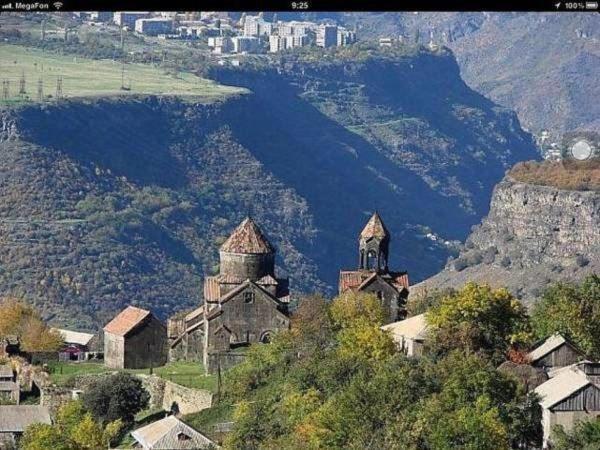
(371, 259)
(266, 337)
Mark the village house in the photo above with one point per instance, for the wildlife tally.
(244, 304)
(170, 433)
(555, 351)
(409, 334)
(373, 274)
(135, 339)
(571, 395)
(15, 419)
(77, 345)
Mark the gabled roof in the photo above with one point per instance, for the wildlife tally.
(359, 279)
(14, 419)
(374, 228)
(562, 386)
(74, 337)
(412, 328)
(247, 238)
(126, 321)
(165, 434)
(548, 346)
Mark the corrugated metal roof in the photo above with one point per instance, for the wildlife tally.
(15, 418)
(374, 228)
(412, 328)
(561, 386)
(170, 433)
(6, 371)
(247, 238)
(126, 321)
(550, 344)
(8, 386)
(74, 337)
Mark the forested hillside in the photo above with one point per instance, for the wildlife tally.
(106, 202)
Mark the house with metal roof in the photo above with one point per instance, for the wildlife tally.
(15, 419)
(135, 339)
(571, 395)
(77, 344)
(409, 334)
(555, 351)
(170, 433)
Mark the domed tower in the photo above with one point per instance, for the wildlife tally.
(247, 254)
(374, 243)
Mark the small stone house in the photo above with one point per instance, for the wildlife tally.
(570, 396)
(135, 339)
(170, 433)
(555, 351)
(409, 334)
(15, 419)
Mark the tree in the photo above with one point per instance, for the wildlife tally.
(118, 396)
(584, 436)
(573, 310)
(19, 318)
(74, 429)
(422, 301)
(479, 319)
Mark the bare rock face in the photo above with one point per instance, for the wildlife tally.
(532, 236)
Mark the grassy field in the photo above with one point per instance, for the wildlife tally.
(91, 78)
(183, 373)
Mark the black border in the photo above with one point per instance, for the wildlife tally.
(299, 5)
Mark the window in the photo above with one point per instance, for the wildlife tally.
(380, 295)
(183, 437)
(248, 297)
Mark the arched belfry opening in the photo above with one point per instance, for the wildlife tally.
(374, 243)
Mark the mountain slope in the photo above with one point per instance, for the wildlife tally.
(542, 65)
(106, 202)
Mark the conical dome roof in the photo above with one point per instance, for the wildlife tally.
(247, 238)
(374, 228)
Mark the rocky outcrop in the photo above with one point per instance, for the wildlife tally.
(533, 235)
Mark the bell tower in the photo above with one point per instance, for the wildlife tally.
(373, 246)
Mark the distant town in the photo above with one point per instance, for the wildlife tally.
(250, 34)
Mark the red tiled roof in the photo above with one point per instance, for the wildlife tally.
(374, 228)
(352, 279)
(355, 279)
(267, 280)
(400, 280)
(126, 321)
(247, 238)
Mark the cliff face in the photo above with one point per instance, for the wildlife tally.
(106, 202)
(533, 236)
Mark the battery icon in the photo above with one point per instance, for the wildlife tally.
(591, 5)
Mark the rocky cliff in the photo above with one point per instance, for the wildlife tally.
(533, 235)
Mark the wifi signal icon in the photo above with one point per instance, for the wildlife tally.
(58, 5)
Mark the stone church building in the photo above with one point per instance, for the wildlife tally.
(245, 303)
(373, 274)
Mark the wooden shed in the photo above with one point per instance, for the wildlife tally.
(555, 351)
